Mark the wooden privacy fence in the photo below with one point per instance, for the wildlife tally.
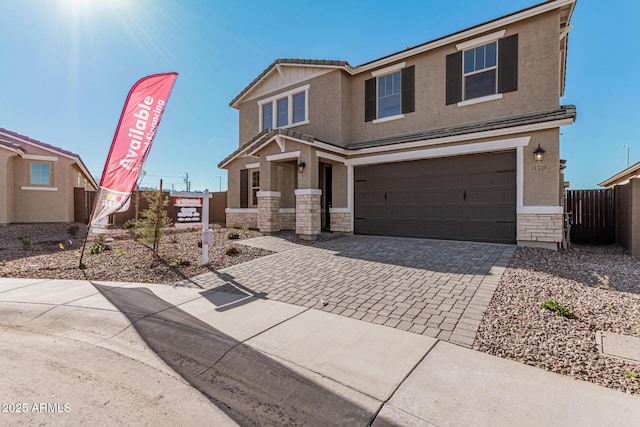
(592, 216)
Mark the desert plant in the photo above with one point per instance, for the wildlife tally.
(631, 374)
(131, 224)
(173, 238)
(216, 227)
(26, 242)
(561, 309)
(120, 252)
(233, 234)
(83, 265)
(99, 246)
(153, 219)
(245, 227)
(232, 250)
(73, 231)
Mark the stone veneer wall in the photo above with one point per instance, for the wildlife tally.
(240, 219)
(308, 212)
(268, 211)
(288, 220)
(340, 222)
(539, 228)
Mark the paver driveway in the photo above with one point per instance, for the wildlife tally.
(431, 287)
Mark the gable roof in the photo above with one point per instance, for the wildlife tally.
(566, 6)
(632, 171)
(25, 140)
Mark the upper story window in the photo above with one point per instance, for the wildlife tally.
(480, 66)
(285, 109)
(390, 93)
(40, 173)
(482, 69)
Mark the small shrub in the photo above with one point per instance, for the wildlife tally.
(216, 227)
(120, 252)
(173, 238)
(631, 374)
(131, 224)
(83, 265)
(232, 250)
(73, 231)
(26, 242)
(99, 246)
(233, 234)
(245, 227)
(184, 263)
(561, 309)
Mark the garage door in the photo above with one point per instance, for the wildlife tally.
(470, 197)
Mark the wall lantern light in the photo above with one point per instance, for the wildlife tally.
(538, 154)
(301, 166)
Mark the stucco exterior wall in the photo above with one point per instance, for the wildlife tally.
(43, 205)
(538, 85)
(542, 179)
(6, 186)
(325, 115)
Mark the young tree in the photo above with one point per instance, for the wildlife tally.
(153, 219)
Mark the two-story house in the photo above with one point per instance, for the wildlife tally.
(457, 138)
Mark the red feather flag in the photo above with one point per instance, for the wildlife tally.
(132, 141)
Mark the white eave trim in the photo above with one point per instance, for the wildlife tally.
(542, 210)
(28, 187)
(481, 40)
(464, 137)
(329, 156)
(455, 150)
(454, 38)
(252, 165)
(38, 157)
(283, 156)
(388, 70)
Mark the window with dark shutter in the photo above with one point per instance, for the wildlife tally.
(370, 100)
(244, 188)
(454, 78)
(408, 90)
(508, 64)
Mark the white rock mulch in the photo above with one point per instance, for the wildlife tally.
(602, 287)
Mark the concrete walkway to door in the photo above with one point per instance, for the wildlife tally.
(436, 288)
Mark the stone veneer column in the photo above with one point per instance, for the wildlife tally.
(308, 218)
(268, 211)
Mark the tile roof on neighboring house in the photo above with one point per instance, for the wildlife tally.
(562, 113)
(12, 146)
(622, 177)
(48, 147)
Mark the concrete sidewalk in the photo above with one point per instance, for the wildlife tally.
(271, 363)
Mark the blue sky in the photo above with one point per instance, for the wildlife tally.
(67, 66)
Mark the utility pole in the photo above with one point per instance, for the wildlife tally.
(627, 147)
(219, 183)
(187, 182)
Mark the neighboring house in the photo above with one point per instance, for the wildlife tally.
(37, 180)
(622, 177)
(435, 141)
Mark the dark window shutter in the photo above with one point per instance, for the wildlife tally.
(244, 188)
(454, 78)
(408, 90)
(370, 100)
(508, 64)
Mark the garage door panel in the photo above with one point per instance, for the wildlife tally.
(463, 198)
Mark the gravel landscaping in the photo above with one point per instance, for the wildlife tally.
(602, 287)
(51, 253)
